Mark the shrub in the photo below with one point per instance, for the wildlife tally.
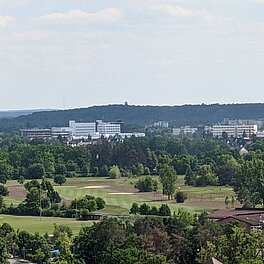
(147, 185)
(164, 210)
(3, 190)
(114, 172)
(134, 209)
(180, 197)
(59, 179)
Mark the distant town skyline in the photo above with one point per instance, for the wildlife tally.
(78, 53)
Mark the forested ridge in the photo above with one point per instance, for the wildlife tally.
(138, 115)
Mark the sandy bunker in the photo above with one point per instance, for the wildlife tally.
(96, 187)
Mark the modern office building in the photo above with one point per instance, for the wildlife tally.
(64, 132)
(80, 130)
(35, 133)
(108, 128)
(234, 130)
(77, 130)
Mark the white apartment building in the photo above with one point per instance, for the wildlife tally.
(234, 130)
(185, 130)
(162, 124)
(189, 130)
(109, 128)
(176, 131)
(82, 130)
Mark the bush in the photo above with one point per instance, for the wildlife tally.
(59, 179)
(3, 190)
(100, 202)
(145, 209)
(134, 209)
(164, 210)
(114, 172)
(147, 185)
(180, 197)
(3, 179)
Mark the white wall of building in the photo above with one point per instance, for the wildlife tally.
(108, 128)
(234, 130)
(82, 129)
(184, 130)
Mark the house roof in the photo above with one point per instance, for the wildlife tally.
(224, 213)
(253, 220)
(213, 261)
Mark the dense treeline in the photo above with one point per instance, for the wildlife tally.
(135, 156)
(138, 115)
(203, 160)
(180, 239)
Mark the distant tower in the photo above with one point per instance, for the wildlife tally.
(126, 103)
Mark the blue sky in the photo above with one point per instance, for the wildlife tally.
(61, 53)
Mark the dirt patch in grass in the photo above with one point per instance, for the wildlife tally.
(97, 187)
(121, 193)
(17, 191)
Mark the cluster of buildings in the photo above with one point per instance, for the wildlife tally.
(230, 127)
(235, 130)
(81, 130)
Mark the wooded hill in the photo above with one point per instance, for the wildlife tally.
(138, 115)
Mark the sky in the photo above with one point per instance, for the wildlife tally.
(78, 53)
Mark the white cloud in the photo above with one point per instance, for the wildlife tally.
(108, 15)
(6, 21)
(178, 11)
(13, 3)
(35, 34)
(172, 10)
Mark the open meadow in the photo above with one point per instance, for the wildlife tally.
(119, 195)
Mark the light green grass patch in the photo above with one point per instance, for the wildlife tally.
(33, 224)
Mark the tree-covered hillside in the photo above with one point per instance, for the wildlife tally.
(138, 115)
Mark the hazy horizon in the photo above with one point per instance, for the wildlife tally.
(68, 54)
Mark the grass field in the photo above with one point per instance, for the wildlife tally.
(119, 195)
(33, 224)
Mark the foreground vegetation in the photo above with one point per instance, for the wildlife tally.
(182, 238)
(48, 178)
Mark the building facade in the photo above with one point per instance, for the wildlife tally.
(108, 128)
(82, 130)
(36, 133)
(234, 130)
(185, 130)
(64, 132)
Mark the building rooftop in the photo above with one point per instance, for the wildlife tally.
(224, 213)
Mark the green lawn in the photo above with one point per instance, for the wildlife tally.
(33, 224)
(119, 195)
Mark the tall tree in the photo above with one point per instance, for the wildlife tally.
(249, 183)
(168, 177)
